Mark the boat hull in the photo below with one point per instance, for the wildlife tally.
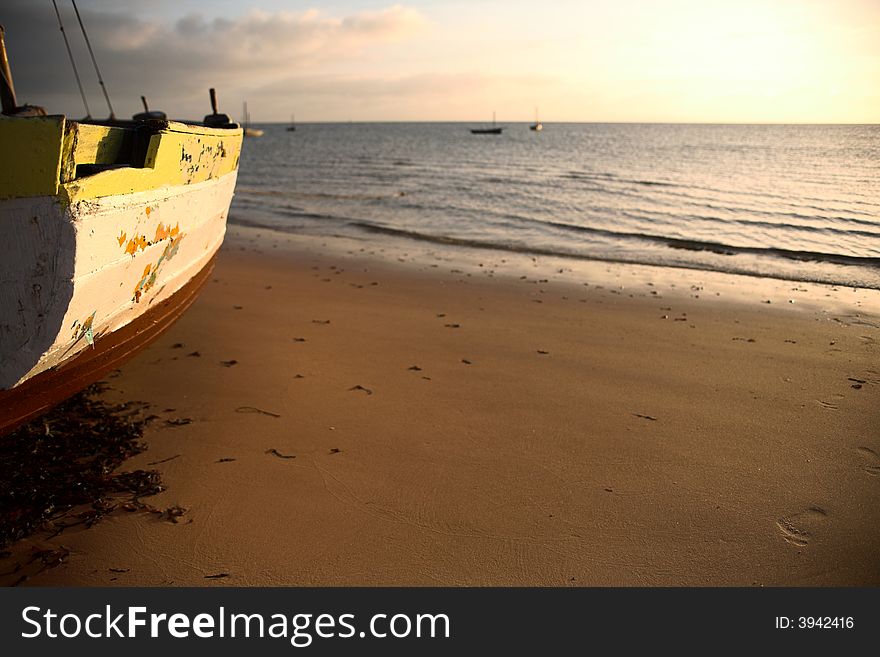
(102, 247)
(98, 264)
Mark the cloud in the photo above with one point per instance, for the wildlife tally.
(174, 63)
(259, 39)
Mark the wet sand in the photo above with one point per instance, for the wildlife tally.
(329, 419)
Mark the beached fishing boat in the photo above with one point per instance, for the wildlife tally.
(494, 130)
(109, 231)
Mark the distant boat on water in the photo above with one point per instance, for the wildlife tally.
(292, 126)
(494, 130)
(537, 126)
(246, 124)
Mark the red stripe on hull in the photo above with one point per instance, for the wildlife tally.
(40, 393)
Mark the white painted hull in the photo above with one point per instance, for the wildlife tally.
(96, 265)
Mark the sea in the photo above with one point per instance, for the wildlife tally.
(796, 202)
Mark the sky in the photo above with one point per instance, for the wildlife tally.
(714, 61)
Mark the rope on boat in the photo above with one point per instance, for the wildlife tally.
(94, 61)
(72, 61)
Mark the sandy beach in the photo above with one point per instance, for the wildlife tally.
(366, 421)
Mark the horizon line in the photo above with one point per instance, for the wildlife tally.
(530, 122)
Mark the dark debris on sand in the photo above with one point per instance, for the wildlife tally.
(60, 469)
(275, 452)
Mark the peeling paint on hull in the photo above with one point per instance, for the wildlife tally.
(108, 285)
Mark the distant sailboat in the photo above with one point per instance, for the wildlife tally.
(292, 126)
(537, 126)
(246, 121)
(494, 130)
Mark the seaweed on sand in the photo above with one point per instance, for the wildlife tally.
(60, 469)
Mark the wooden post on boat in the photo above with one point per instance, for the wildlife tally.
(7, 89)
(148, 114)
(214, 119)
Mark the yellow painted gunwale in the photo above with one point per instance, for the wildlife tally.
(39, 156)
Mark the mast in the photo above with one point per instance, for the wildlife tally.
(7, 89)
(8, 102)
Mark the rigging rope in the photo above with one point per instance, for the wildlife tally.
(94, 61)
(72, 61)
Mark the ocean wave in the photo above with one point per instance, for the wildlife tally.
(328, 196)
(688, 245)
(614, 178)
(718, 248)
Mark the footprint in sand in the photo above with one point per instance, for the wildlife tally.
(872, 465)
(798, 529)
(831, 405)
